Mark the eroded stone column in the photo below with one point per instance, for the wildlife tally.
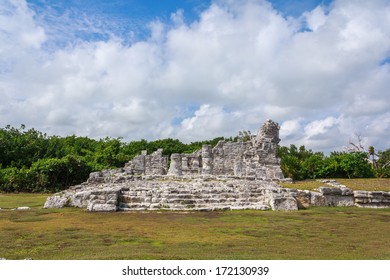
(207, 160)
(175, 167)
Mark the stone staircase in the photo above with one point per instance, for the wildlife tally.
(193, 196)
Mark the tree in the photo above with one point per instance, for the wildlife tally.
(313, 164)
(299, 164)
(356, 165)
(383, 164)
(244, 135)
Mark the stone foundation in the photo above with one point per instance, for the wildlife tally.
(119, 191)
(170, 194)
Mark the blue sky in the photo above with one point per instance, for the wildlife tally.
(122, 17)
(119, 16)
(196, 70)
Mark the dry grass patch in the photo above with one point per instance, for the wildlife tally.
(310, 185)
(374, 184)
(10, 201)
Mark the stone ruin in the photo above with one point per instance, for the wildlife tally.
(231, 175)
(255, 159)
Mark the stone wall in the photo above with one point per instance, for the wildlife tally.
(144, 164)
(375, 199)
(255, 158)
(336, 194)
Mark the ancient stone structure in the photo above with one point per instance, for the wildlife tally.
(232, 175)
(154, 164)
(252, 159)
(120, 191)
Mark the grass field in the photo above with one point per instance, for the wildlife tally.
(316, 233)
(375, 184)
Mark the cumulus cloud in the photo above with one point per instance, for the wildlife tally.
(18, 28)
(323, 76)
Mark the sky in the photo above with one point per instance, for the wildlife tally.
(198, 69)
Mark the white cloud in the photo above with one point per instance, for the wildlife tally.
(316, 18)
(240, 64)
(320, 127)
(207, 120)
(18, 29)
(290, 130)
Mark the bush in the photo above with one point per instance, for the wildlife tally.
(57, 174)
(45, 175)
(300, 164)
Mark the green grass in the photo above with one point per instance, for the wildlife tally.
(316, 233)
(10, 201)
(374, 184)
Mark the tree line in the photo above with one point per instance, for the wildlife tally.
(31, 161)
(300, 163)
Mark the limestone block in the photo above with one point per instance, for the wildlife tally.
(262, 173)
(345, 190)
(339, 200)
(138, 163)
(284, 203)
(56, 201)
(80, 199)
(376, 193)
(185, 163)
(361, 200)
(112, 200)
(195, 164)
(272, 172)
(97, 207)
(377, 200)
(156, 163)
(330, 191)
(156, 206)
(317, 199)
(239, 168)
(303, 199)
(22, 208)
(96, 177)
(361, 194)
